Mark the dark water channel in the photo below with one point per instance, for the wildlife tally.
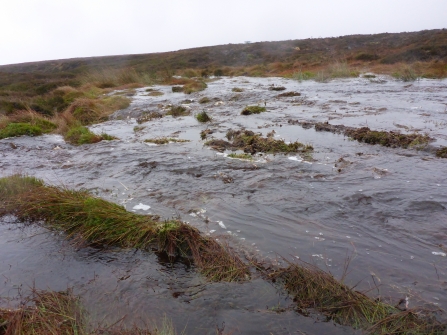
(385, 209)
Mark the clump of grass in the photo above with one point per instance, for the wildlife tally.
(288, 94)
(52, 313)
(94, 221)
(78, 135)
(25, 122)
(441, 152)
(388, 138)
(203, 117)
(406, 73)
(277, 88)
(90, 110)
(204, 133)
(20, 129)
(241, 156)
(237, 89)
(176, 111)
(149, 116)
(165, 140)
(314, 289)
(253, 110)
(253, 143)
(137, 129)
(194, 86)
(204, 100)
(177, 89)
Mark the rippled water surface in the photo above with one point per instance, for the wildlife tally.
(385, 209)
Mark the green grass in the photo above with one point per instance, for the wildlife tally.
(253, 110)
(79, 135)
(203, 117)
(20, 129)
(94, 221)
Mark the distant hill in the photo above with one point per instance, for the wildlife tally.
(405, 55)
(423, 46)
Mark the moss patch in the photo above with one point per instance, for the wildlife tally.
(20, 129)
(253, 110)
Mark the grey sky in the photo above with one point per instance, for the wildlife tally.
(33, 30)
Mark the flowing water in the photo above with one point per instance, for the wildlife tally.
(381, 209)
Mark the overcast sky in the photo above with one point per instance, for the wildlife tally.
(33, 30)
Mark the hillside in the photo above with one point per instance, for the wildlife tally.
(424, 51)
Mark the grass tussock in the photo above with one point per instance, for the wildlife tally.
(237, 89)
(78, 135)
(25, 122)
(314, 289)
(203, 117)
(165, 140)
(194, 86)
(253, 143)
(441, 152)
(149, 116)
(253, 110)
(204, 100)
(177, 111)
(90, 220)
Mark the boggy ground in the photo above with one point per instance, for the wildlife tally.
(283, 204)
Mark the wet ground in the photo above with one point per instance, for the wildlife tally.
(382, 208)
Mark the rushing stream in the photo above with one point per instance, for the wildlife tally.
(382, 210)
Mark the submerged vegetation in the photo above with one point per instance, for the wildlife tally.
(164, 140)
(61, 313)
(441, 152)
(253, 143)
(314, 289)
(94, 221)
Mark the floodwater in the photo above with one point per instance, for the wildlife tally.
(384, 212)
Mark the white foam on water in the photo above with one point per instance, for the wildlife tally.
(141, 206)
(221, 224)
(438, 253)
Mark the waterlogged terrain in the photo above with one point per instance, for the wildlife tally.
(380, 209)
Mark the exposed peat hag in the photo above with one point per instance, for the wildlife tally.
(393, 139)
(86, 219)
(253, 143)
